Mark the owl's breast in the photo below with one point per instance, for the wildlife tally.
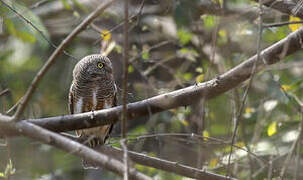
(93, 98)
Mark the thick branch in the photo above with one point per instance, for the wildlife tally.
(182, 97)
(56, 140)
(52, 58)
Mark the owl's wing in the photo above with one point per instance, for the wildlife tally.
(71, 101)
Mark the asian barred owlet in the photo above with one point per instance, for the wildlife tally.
(93, 88)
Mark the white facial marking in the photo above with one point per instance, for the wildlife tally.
(79, 104)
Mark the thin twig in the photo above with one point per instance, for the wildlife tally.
(5, 91)
(125, 159)
(294, 146)
(253, 71)
(56, 53)
(36, 28)
(281, 24)
(125, 71)
(166, 165)
(97, 29)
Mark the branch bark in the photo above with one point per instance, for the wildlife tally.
(182, 97)
(56, 140)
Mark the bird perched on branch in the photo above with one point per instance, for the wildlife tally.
(93, 88)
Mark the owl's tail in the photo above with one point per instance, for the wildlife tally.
(94, 143)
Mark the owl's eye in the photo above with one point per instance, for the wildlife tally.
(100, 65)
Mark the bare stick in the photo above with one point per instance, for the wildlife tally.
(5, 91)
(165, 165)
(55, 54)
(281, 24)
(125, 159)
(125, 70)
(253, 71)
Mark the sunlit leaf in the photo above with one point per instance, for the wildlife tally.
(145, 55)
(240, 144)
(184, 36)
(222, 33)
(286, 87)
(130, 69)
(188, 76)
(2, 174)
(248, 112)
(209, 21)
(272, 129)
(106, 35)
(199, 69)
(184, 122)
(294, 27)
(200, 78)
(76, 14)
(213, 163)
(205, 135)
(187, 53)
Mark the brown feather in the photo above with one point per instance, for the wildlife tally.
(93, 89)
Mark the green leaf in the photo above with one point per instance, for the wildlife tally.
(66, 5)
(25, 36)
(2, 174)
(209, 22)
(145, 55)
(187, 76)
(22, 30)
(200, 78)
(272, 129)
(130, 69)
(184, 36)
(9, 25)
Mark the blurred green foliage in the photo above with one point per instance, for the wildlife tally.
(270, 120)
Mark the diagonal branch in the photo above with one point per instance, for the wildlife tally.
(288, 7)
(25, 99)
(182, 97)
(56, 140)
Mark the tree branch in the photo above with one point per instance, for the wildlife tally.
(288, 7)
(25, 99)
(56, 140)
(182, 97)
(165, 165)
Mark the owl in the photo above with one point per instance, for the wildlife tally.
(93, 88)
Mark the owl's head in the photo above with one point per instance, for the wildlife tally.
(93, 67)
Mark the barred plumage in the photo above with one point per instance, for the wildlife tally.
(93, 88)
